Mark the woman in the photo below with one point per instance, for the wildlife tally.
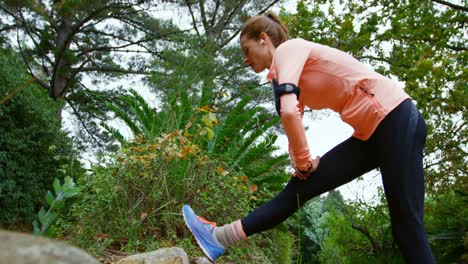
(389, 133)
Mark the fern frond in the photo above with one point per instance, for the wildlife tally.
(148, 116)
(122, 114)
(115, 133)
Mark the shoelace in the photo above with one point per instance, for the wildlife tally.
(203, 220)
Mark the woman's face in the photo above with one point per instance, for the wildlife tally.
(256, 53)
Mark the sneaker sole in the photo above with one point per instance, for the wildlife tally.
(198, 241)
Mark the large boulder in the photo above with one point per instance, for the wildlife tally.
(22, 248)
(172, 255)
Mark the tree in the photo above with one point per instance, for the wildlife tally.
(210, 47)
(33, 148)
(76, 49)
(68, 39)
(421, 43)
(74, 42)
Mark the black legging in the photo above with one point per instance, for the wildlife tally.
(396, 147)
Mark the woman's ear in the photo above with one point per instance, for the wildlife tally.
(263, 36)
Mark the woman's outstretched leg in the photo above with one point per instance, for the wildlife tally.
(342, 164)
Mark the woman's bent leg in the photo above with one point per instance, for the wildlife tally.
(400, 141)
(342, 164)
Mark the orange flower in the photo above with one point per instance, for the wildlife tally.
(204, 108)
(244, 178)
(253, 188)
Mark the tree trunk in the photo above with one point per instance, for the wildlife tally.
(62, 63)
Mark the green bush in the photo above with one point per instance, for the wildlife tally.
(446, 218)
(29, 126)
(133, 201)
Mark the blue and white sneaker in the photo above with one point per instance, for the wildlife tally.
(203, 231)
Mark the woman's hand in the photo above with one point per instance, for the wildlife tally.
(304, 175)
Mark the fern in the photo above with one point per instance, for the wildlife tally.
(230, 126)
(115, 133)
(123, 115)
(143, 113)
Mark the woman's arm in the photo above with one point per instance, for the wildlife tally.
(291, 118)
(289, 61)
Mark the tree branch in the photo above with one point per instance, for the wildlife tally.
(225, 21)
(116, 70)
(6, 10)
(15, 92)
(213, 19)
(36, 79)
(203, 14)
(366, 233)
(453, 6)
(456, 48)
(82, 122)
(29, 30)
(239, 30)
(69, 30)
(109, 48)
(8, 27)
(194, 21)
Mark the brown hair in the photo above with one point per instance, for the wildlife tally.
(270, 24)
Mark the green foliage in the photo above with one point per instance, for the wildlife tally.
(220, 80)
(55, 202)
(446, 221)
(359, 233)
(137, 115)
(310, 225)
(241, 138)
(29, 127)
(133, 201)
(136, 196)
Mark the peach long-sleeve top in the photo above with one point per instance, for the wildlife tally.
(329, 78)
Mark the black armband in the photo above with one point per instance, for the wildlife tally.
(279, 90)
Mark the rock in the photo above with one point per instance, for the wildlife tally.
(172, 255)
(20, 248)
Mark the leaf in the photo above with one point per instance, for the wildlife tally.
(49, 220)
(41, 216)
(59, 204)
(210, 133)
(49, 198)
(57, 187)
